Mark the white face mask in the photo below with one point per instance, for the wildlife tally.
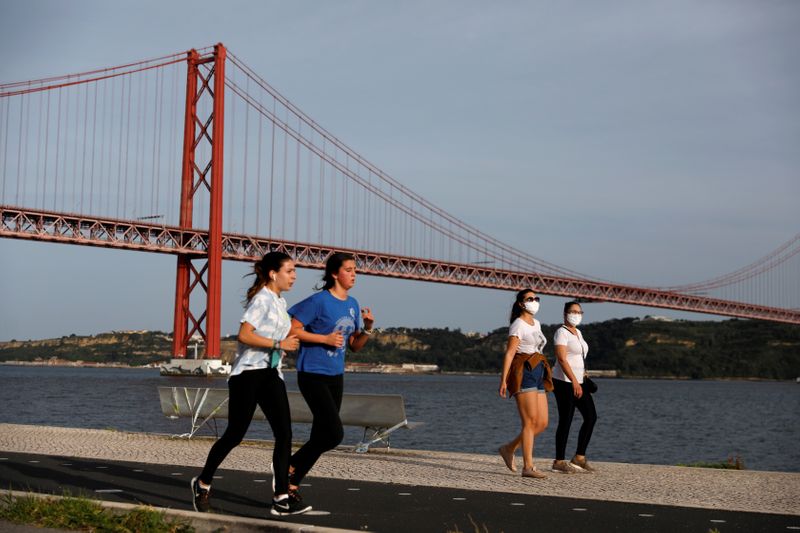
(574, 319)
(532, 307)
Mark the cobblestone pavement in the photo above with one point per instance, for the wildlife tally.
(735, 490)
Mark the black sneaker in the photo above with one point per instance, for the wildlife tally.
(289, 506)
(200, 496)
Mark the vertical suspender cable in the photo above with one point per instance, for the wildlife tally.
(309, 195)
(5, 147)
(320, 199)
(75, 152)
(46, 150)
(85, 128)
(24, 139)
(296, 187)
(39, 143)
(173, 171)
(105, 174)
(258, 173)
(284, 199)
(246, 141)
(94, 145)
(119, 149)
(155, 182)
(19, 150)
(272, 171)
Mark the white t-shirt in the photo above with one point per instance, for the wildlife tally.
(266, 312)
(531, 338)
(576, 352)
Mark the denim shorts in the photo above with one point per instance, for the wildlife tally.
(532, 379)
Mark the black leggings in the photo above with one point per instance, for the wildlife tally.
(323, 394)
(567, 402)
(265, 388)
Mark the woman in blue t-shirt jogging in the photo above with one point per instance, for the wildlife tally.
(326, 323)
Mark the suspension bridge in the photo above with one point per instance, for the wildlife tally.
(194, 154)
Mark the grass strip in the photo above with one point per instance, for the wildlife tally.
(85, 515)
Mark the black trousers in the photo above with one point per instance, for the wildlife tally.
(264, 388)
(323, 394)
(567, 402)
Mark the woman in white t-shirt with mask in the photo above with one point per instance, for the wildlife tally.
(526, 377)
(568, 375)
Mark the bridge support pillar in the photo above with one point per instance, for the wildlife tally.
(205, 79)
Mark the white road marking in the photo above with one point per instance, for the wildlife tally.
(404, 494)
(579, 509)
(646, 515)
(459, 499)
(519, 504)
(353, 489)
(108, 490)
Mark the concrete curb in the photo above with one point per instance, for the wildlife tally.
(202, 522)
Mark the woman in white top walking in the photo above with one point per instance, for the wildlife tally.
(568, 377)
(526, 376)
(256, 380)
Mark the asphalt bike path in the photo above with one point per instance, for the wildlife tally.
(369, 506)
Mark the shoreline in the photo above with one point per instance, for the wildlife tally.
(75, 364)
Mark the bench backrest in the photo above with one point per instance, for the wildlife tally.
(364, 410)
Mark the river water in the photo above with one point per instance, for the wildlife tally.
(639, 421)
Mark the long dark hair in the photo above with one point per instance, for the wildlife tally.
(332, 266)
(516, 308)
(271, 262)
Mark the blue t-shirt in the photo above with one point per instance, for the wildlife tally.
(322, 313)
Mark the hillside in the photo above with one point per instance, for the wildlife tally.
(636, 348)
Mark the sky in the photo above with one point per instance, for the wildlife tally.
(647, 143)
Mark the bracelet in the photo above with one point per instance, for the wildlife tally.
(276, 345)
(367, 332)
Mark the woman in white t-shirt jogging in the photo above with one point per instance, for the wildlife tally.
(256, 381)
(526, 377)
(568, 376)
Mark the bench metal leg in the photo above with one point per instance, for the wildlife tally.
(378, 435)
(196, 405)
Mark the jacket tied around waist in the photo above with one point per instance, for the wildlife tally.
(514, 378)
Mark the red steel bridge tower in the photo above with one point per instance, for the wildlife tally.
(201, 177)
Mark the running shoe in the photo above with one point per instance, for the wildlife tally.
(563, 467)
(288, 506)
(200, 496)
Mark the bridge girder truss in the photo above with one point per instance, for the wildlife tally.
(23, 223)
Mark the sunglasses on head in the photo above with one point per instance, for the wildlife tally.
(532, 299)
